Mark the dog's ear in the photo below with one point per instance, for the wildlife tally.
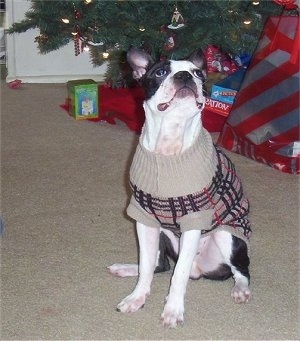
(198, 59)
(139, 61)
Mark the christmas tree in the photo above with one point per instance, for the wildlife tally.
(164, 28)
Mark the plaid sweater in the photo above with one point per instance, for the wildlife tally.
(218, 203)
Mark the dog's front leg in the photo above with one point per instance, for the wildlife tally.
(174, 307)
(148, 238)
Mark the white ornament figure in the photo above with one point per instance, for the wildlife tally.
(177, 20)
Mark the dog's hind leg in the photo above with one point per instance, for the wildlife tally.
(148, 243)
(168, 248)
(234, 251)
(240, 269)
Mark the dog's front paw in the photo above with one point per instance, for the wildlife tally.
(241, 293)
(123, 270)
(131, 303)
(172, 314)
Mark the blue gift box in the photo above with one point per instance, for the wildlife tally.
(226, 89)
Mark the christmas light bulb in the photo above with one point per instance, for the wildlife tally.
(65, 20)
(247, 22)
(255, 3)
(86, 48)
(142, 28)
(105, 55)
(88, 1)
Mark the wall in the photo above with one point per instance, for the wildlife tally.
(24, 61)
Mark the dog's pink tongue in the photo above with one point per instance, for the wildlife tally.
(163, 106)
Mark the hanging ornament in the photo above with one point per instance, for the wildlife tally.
(169, 36)
(77, 41)
(85, 47)
(234, 36)
(76, 45)
(77, 14)
(77, 48)
(42, 38)
(170, 43)
(177, 20)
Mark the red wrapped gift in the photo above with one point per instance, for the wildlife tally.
(124, 104)
(214, 114)
(219, 61)
(264, 120)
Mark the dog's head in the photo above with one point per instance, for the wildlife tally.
(170, 85)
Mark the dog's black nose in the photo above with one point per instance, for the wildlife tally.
(183, 75)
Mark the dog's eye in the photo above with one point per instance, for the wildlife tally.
(198, 73)
(160, 72)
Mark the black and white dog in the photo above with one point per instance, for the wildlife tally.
(187, 198)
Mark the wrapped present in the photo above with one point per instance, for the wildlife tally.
(264, 120)
(124, 104)
(219, 61)
(243, 59)
(214, 114)
(226, 89)
(83, 99)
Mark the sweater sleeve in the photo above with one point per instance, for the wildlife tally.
(136, 212)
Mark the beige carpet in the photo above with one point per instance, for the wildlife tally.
(64, 192)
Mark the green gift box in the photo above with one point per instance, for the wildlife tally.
(83, 99)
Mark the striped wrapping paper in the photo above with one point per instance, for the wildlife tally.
(264, 120)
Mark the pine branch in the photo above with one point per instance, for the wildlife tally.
(114, 26)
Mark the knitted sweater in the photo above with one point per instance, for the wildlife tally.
(198, 189)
